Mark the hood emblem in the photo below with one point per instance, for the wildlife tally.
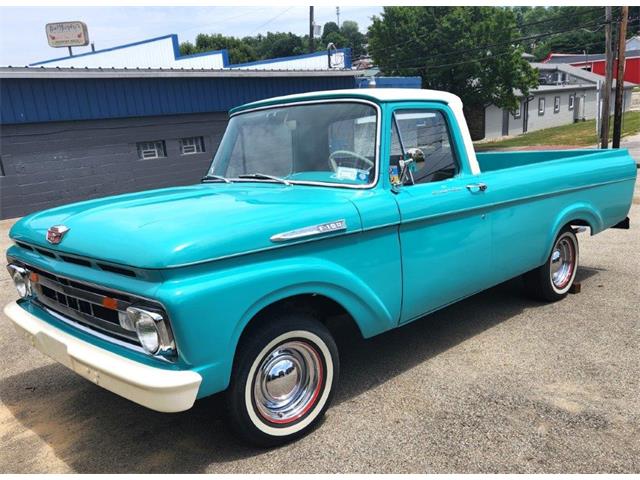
(55, 233)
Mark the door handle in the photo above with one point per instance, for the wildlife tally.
(477, 187)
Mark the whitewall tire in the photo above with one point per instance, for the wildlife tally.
(552, 281)
(283, 379)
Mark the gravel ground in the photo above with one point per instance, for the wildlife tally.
(496, 383)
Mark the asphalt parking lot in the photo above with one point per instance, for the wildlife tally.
(496, 383)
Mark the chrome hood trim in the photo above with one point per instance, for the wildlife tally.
(310, 231)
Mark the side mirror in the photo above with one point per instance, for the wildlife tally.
(415, 158)
(416, 154)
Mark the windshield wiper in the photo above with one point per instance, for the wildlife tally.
(264, 177)
(215, 178)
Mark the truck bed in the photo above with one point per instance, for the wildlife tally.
(491, 161)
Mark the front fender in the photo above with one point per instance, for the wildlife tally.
(210, 310)
(336, 283)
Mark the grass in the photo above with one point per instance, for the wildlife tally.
(575, 134)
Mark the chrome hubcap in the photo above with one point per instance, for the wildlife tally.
(288, 382)
(562, 263)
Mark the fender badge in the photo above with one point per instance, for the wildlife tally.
(322, 228)
(55, 233)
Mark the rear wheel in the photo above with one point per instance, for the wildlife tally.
(283, 379)
(552, 281)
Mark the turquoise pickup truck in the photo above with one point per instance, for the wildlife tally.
(366, 206)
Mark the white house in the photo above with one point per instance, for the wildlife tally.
(566, 94)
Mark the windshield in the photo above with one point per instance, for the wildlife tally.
(324, 142)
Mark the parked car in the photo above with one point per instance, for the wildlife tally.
(366, 205)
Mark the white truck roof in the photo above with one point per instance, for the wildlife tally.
(380, 94)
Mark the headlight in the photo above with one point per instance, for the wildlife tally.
(20, 277)
(148, 334)
(153, 332)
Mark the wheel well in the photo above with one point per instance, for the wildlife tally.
(580, 223)
(333, 315)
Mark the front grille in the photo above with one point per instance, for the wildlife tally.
(90, 306)
(85, 262)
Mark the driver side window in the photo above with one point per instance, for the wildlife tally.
(426, 130)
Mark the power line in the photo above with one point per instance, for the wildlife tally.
(219, 21)
(481, 59)
(487, 47)
(273, 18)
(419, 36)
(455, 64)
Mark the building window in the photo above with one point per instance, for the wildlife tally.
(148, 150)
(541, 106)
(572, 101)
(518, 111)
(191, 145)
(556, 104)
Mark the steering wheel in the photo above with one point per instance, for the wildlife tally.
(362, 158)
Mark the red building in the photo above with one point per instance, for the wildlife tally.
(596, 63)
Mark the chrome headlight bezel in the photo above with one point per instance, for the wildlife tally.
(20, 277)
(150, 319)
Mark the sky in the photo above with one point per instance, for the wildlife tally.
(23, 40)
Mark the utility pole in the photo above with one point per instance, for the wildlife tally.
(311, 42)
(338, 15)
(617, 114)
(606, 97)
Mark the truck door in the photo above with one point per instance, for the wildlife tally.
(445, 229)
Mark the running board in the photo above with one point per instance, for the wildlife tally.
(624, 224)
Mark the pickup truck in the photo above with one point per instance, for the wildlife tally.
(364, 206)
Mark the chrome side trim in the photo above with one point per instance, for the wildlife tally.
(310, 231)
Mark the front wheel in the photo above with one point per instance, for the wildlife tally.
(552, 281)
(283, 379)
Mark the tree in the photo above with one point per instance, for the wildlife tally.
(336, 38)
(280, 44)
(566, 29)
(329, 28)
(239, 51)
(561, 29)
(353, 38)
(468, 51)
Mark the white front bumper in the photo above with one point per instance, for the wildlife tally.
(155, 388)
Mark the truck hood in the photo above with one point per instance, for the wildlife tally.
(184, 225)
